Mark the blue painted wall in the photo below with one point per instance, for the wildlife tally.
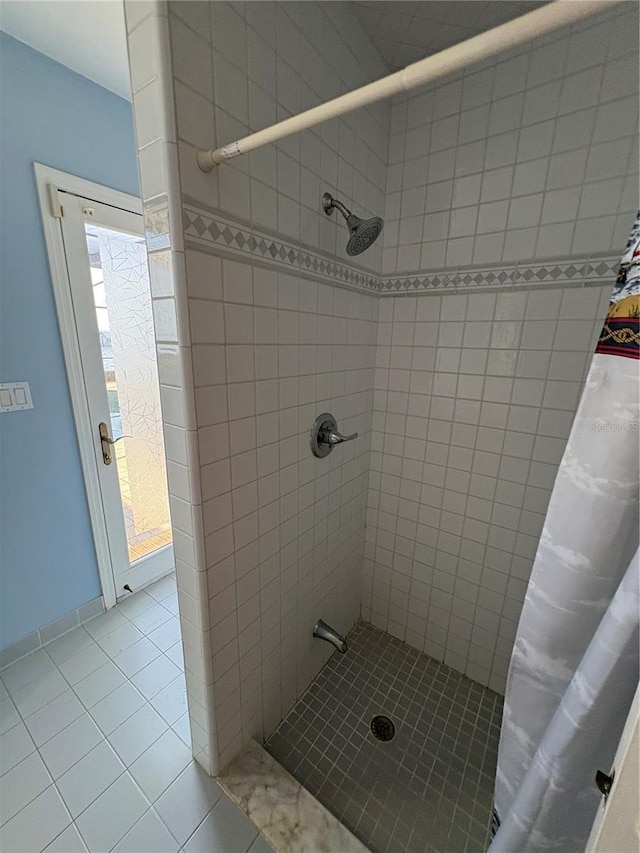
(54, 116)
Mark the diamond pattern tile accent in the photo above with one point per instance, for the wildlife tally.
(211, 227)
(156, 226)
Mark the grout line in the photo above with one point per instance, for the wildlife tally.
(373, 653)
(104, 738)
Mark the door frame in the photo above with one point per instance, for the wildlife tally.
(50, 183)
(625, 775)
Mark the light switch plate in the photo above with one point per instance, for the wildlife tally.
(15, 396)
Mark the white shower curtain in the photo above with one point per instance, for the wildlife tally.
(574, 668)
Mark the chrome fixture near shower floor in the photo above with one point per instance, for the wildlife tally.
(322, 631)
(428, 789)
(364, 232)
(324, 435)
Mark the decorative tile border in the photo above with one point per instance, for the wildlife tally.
(530, 274)
(209, 228)
(156, 224)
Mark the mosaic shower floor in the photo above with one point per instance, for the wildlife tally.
(429, 789)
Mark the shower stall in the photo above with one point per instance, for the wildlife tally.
(440, 357)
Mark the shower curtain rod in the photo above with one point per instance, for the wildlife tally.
(520, 30)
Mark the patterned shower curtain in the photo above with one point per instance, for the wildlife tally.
(574, 668)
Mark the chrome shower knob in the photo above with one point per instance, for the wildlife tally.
(324, 435)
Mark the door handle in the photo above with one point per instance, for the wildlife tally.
(106, 441)
(604, 782)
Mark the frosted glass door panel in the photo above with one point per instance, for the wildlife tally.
(122, 298)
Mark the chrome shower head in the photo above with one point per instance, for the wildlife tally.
(363, 232)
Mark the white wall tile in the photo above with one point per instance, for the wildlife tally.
(485, 432)
(534, 135)
(191, 59)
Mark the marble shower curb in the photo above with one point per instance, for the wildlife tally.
(287, 815)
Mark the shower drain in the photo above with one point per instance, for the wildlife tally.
(382, 727)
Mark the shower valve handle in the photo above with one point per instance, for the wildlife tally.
(324, 435)
(337, 437)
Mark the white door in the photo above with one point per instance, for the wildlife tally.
(616, 828)
(104, 254)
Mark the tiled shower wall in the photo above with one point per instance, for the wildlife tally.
(275, 340)
(249, 65)
(531, 155)
(257, 334)
(474, 399)
(510, 174)
(284, 531)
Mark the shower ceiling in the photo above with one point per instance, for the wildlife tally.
(404, 31)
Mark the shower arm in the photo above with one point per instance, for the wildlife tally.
(329, 205)
(520, 30)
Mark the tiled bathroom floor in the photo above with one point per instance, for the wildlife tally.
(429, 789)
(94, 743)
